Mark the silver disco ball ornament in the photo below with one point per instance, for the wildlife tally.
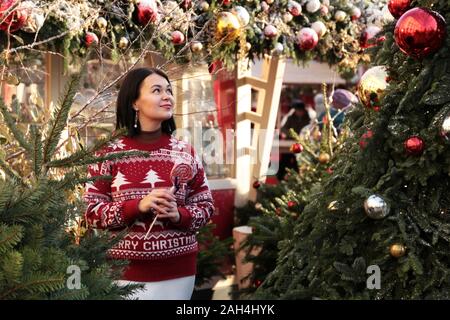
(376, 207)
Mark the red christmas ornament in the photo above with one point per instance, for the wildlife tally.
(294, 8)
(329, 170)
(278, 211)
(177, 37)
(291, 204)
(420, 32)
(15, 19)
(258, 283)
(296, 148)
(90, 38)
(399, 7)
(367, 37)
(256, 184)
(324, 10)
(307, 39)
(147, 11)
(270, 31)
(414, 146)
(226, 2)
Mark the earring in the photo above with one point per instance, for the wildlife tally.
(136, 119)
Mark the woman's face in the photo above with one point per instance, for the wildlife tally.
(155, 102)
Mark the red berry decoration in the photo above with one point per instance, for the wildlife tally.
(398, 7)
(256, 184)
(147, 11)
(15, 19)
(91, 38)
(291, 204)
(414, 146)
(420, 32)
(365, 139)
(296, 148)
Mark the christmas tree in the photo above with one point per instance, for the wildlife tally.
(379, 227)
(43, 254)
(274, 215)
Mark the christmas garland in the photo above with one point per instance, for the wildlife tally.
(225, 30)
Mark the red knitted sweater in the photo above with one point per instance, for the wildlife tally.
(170, 250)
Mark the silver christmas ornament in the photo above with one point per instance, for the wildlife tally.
(376, 207)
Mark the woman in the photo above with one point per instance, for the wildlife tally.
(162, 199)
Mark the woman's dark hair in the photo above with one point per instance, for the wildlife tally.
(128, 93)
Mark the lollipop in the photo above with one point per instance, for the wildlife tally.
(181, 173)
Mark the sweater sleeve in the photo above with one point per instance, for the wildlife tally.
(199, 206)
(101, 211)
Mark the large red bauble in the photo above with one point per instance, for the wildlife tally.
(398, 7)
(420, 32)
(307, 39)
(15, 19)
(147, 11)
(414, 146)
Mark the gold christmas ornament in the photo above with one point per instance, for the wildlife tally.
(123, 43)
(228, 27)
(196, 47)
(340, 15)
(372, 86)
(248, 46)
(397, 250)
(102, 23)
(324, 158)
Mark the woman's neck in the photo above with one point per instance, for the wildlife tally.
(149, 136)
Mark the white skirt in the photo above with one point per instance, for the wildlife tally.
(173, 289)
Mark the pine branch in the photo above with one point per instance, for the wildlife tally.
(59, 117)
(13, 128)
(36, 139)
(38, 283)
(9, 236)
(10, 172)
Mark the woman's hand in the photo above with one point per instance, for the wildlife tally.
(171, 213)
(160, 200)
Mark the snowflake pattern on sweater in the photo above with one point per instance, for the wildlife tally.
(113, 204)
